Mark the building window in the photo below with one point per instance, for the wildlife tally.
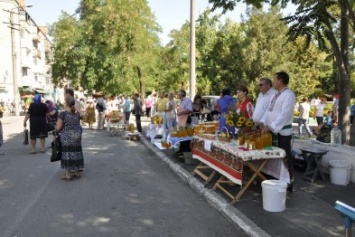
(24, 71)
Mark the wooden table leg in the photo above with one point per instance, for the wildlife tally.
(311, 172)
(206, 178)
(224, 180)
(250, 181)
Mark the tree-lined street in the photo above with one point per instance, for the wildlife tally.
(125, 190)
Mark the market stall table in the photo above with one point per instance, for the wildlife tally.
(313, 157)
(229, 159)
(175, 140)
(116, 128)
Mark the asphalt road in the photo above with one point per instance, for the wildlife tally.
(125, 191)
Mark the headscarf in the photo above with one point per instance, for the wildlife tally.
(37, 99)
(50, 105)
(100, 101)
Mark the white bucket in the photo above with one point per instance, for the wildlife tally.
(339, 171)
(274, 195)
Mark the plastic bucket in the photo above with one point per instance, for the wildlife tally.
(339, 171)
(274, 195)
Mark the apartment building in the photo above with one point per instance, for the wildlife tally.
(25, 54)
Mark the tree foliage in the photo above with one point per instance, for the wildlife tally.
(114, 48)
(316, 21)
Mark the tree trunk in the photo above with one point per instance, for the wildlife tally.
(341, 55)
(344, 82)
(141, 83)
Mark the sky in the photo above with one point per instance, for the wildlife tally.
(170, 14)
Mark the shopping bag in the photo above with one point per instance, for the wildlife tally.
(56, 150)
(25, 137)
(194, 120)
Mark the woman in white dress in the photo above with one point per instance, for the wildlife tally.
(170, 113)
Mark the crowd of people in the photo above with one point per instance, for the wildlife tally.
(273, 111)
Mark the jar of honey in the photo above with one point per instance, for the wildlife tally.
(267, 139)
(259, 143)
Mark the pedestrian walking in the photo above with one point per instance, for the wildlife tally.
(148, 105)
(69, 130)
(127, 109)
(101, 108)
(70, 92)
(304, 108)
(352, 113)
(37, 113)
(90, 114)
(170, 113)
(137, 111)
(83, 110)
(52, 115)
(320, 113)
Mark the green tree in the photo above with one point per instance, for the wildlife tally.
(315, 20)
(117, 42)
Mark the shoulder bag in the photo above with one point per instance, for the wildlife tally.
(56, 150)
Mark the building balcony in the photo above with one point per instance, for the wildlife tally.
(25, 43)
(25, 81)
(36, 53)
(35, 37)
(26, 63)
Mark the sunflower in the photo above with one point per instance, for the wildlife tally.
(241, 119)
(230, 123)
(249, 123)
(239, 124)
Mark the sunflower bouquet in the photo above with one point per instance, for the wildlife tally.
(237, 120)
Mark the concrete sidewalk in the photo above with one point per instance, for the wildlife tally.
(309, 209)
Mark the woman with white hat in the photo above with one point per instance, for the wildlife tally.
(90, 113)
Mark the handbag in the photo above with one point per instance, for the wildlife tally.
(56, 150)
(133, 112)
(25, 136)
(49, 127)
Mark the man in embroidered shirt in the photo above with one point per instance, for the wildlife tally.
(263, 100)
(278, 118)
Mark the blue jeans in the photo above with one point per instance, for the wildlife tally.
(301, 123)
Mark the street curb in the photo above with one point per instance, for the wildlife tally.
(228, 211)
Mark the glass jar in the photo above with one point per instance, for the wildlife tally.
(267, 139)
(259, 143)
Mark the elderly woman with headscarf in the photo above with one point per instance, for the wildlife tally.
(37, 115)
(52, 115)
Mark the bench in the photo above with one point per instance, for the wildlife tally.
(348, 213)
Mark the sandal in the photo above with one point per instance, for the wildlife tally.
(67, 177)
(43, 151)
(75, 174)
(33, 152)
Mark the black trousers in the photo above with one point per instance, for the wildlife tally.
(285, 143)
(138, 123)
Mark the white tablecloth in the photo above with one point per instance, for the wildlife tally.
(153, 130)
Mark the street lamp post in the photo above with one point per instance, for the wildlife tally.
(192, 80)
(14, 57)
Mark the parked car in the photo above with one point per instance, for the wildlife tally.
(210, 101)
